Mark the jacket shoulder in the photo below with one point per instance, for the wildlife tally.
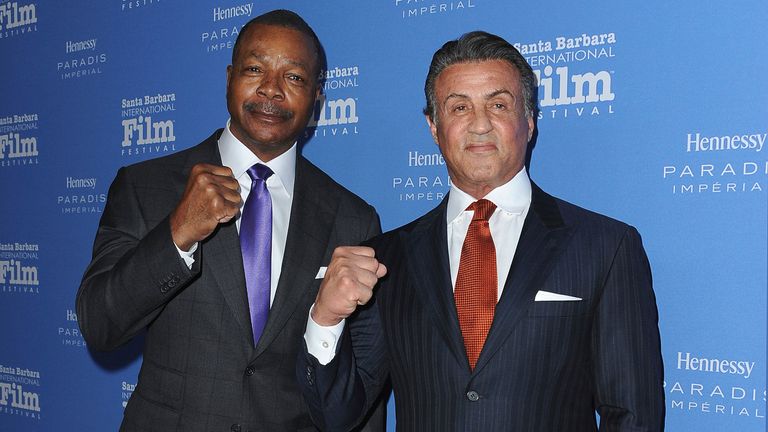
(323, 183)
(175, 163)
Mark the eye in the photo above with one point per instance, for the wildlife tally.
(253, 69)
(460, 108)
(499, 106)
(297, 78)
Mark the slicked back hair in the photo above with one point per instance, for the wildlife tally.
(479, 46)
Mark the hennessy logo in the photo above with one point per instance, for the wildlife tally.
(13, 146)
(147, 131)
(71, 315)
(12, 15)
(589, 80)
(88, 44)
(220, 14)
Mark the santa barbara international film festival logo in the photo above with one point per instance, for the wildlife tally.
(19, 392)
(571, 85)
(81, 195)
(130, 5)
(335, 112)
(147, 125)
(18, 268)
(17, 19)
(720, 163)
(227, 23)
(126, 391)
(82, 58)
(426, 8)
(18, 140)
(716, 385)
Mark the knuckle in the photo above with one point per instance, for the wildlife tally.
(210, 188)
(200, 179)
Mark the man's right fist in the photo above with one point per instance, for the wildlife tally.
(348, 283)
(212, 196)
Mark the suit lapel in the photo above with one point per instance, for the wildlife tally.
(429, 272)
(313, 214)
(220, 252)
(543, 237)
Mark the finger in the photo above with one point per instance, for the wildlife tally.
(359, 262)
(364, 251)
(364, 297)
(227, 182)
(228, 194)
(367, 280)
(362, 292)
(224, 210)
(219, 170)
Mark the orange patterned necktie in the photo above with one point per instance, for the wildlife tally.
(476, 282)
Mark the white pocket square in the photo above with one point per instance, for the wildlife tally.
(321, 273)
(550, 296)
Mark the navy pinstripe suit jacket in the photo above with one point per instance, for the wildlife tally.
(545, 366)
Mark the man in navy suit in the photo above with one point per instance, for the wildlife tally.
(504, 308)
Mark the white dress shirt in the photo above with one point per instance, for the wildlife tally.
(512, 200)
(236, 156)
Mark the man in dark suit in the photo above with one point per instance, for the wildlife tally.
(504, 308)
(168, 259)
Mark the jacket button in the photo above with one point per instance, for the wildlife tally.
(235, 428)
(473, 396)
(249, 370)
(164, 289)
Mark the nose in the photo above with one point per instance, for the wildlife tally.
(480, 124)
(270, 87)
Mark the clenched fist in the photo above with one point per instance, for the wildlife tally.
(212, 196)
(348, 283)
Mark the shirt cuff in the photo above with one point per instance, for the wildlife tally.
(322, 341)
(187, 256)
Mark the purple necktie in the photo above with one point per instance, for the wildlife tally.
(256, 246)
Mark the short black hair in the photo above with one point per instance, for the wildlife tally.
(478, 46)
(282, 18)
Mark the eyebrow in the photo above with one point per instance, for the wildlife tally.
(499, 92)
(490, 95)
(290, 61)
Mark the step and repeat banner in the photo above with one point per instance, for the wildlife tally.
(652, 112)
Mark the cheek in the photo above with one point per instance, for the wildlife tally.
(452, 135)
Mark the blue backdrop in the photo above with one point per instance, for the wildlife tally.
(651, 112)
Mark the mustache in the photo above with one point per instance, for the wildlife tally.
(269, 108)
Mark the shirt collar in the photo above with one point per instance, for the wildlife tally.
(236, 156)
(512, 197)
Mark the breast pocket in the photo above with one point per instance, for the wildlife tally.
(560, 308)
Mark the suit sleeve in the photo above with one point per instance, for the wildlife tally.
(348, 390)
(135, 270)
(628, 367)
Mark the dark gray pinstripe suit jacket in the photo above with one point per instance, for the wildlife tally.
(201, 370)
(545, 366)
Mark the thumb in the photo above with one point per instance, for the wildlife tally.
(381, 270)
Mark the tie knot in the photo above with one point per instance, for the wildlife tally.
(259, 172)
(483, 209)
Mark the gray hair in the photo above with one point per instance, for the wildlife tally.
(480, 46)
